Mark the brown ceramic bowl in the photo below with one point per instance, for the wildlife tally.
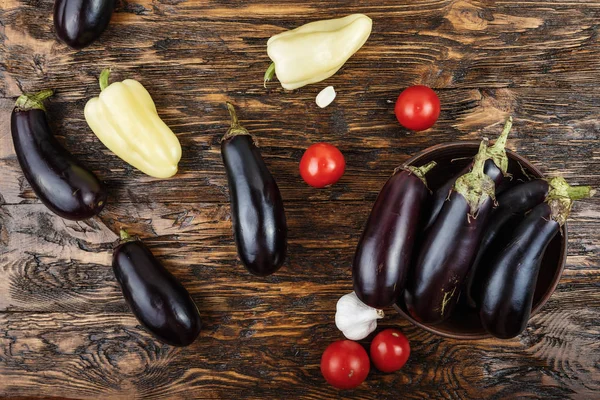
(452, 158)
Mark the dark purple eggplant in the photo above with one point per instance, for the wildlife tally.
(156, 298)
(450, 245)
(64, 186)
(257, 214)
(510, 285)
(512, 206)
(80, 22)
(384, 250)
(495, 167)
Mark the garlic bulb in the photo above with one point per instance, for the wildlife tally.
(354, 318)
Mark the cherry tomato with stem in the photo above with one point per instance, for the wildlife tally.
(322, 165)
(345, 364)
(389, 350)
(417, 108)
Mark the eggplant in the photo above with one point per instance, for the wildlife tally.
(156, 298)
(495, 167)
(383, 254)
(257, 213)
(509, 287)
(508, 291)
(508, 280)
(450, 245)
(80, 22)
(512, 206)
(64, 186)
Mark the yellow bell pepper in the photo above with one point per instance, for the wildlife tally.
(317, 50)
(125, 120)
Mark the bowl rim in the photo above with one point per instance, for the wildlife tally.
(563, 251)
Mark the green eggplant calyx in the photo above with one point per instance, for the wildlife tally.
(420, 172)
(269, 74)
(475, 186)
(560, 208)
(497, 152)
(236, 129)
(562, 195)
(125, 237)
(33, 101)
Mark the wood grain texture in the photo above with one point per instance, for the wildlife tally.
(64, 327)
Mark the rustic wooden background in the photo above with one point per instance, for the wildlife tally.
(64, 327)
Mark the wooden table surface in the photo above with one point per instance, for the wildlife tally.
(65, 329)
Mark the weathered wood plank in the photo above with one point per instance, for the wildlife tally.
(440, 43)
(556, 129)
(64, 327)
(53, 264)
(108, 355)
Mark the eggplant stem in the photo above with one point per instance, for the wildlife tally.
(500, 143)
(480, 159)
(560, 188)
(124, 235)
(421, 171)
(104, 75)
(580, 192)
(562, 195)
(269, 74)
(33, 101)
(425, 168)
(475, 186)
(497, 152)
(236, 129)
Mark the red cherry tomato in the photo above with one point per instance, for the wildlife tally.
(322, 164)
(417, 108)
(389, 350)
(345, 364)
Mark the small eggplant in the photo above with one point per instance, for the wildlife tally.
(79, 22)
(509, 288)
(257, 214)
(495, 167)
(64, 186)
(383, 254)
(512, 206)
(156, 298)
(450, 245)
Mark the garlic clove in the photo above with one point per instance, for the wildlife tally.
(326, 96)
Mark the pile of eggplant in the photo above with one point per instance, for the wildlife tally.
(67, 188)
(430, 249)
(156, 298)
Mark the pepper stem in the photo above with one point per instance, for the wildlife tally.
(269, 74)
(422, 170)
(33, 101)
(236, 129)
(475, 186)
(497, 152)
(104, 78)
